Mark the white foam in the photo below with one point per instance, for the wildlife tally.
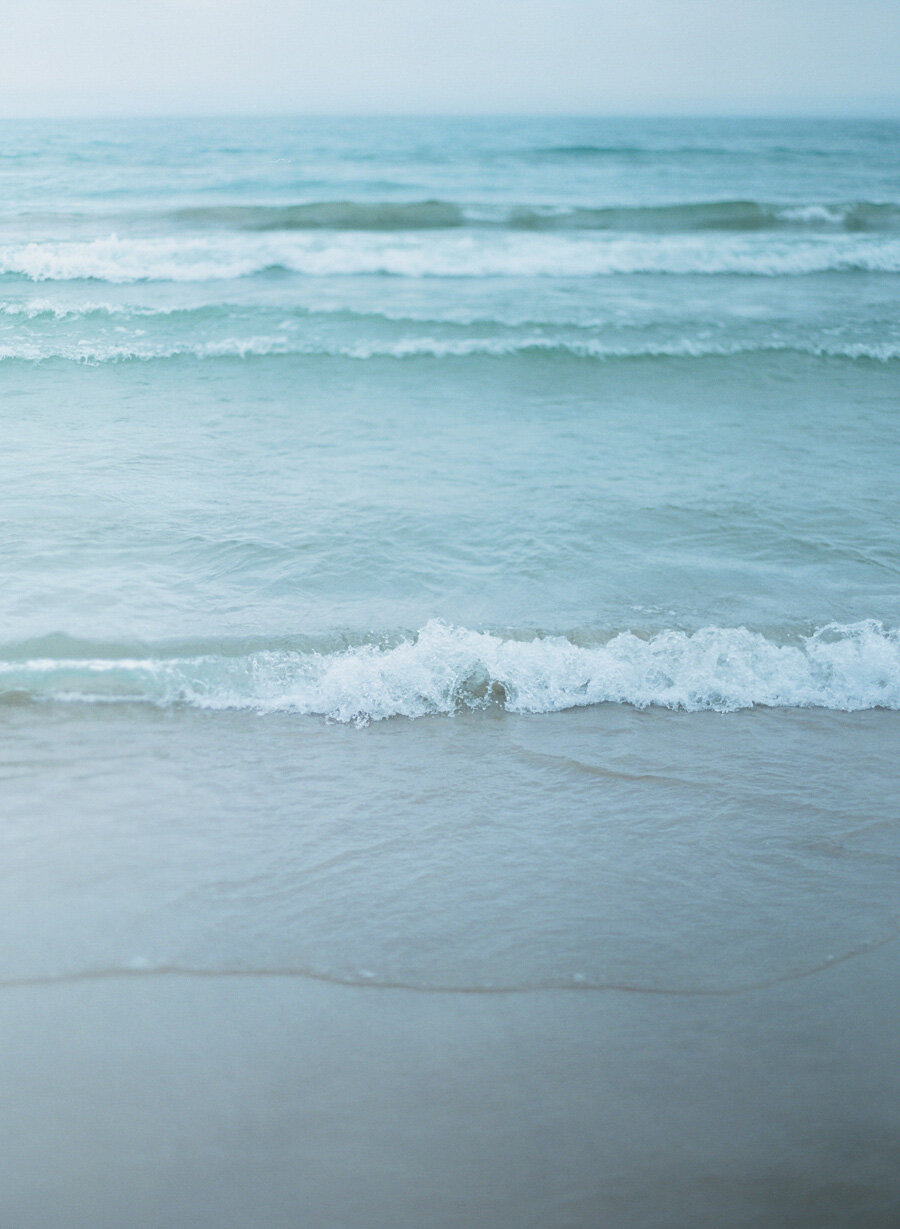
(443, 668)
(143, 350)
(445, 254)
(35, 309)
(828, 215)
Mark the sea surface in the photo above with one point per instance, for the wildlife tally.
(450, 555)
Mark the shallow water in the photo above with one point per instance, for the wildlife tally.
(606, 847)
(600, 966)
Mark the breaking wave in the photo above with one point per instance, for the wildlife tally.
(442, 669)
(229, 256)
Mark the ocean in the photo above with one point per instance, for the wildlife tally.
(450, 578)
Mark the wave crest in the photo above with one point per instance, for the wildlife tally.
(327, 215)
(854, 216)
(347, 215)
(442, 669)
(444, 253)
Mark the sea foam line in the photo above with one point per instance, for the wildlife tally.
(443, 254)
(99, 353)
(442, 669)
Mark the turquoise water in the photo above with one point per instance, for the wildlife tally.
(449, 427)
(365, 418)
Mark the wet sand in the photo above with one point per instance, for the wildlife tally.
(220, 1103)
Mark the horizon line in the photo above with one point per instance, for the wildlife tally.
(388, 114)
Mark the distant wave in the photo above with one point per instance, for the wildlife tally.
(660, 150)
(583, 150)
(290, 328)
(442, 669)
(44, 309)
(428, 347)
(327, 215)
(444, 254)
(714, 215)
(587, 149)
(387, 216)
(94, 353)
(728, 215)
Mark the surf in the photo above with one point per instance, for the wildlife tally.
(443, 669)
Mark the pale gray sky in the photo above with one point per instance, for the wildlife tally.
(62, 57)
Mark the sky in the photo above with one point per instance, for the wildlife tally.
(207, 57)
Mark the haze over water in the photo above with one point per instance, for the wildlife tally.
(450, 554)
